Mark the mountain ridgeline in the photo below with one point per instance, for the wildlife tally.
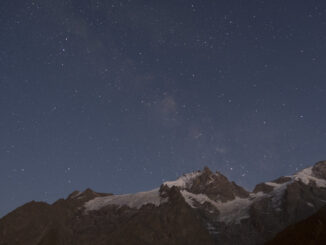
(202, 207)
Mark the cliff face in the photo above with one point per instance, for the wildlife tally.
(198, 208)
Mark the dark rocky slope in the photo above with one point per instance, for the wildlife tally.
(310, 231)
(66, 223)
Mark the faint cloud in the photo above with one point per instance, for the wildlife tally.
(220, 150)
(195, 132)
(168, 106)
(164, 110)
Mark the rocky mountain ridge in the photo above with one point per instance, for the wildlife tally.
(198, 208)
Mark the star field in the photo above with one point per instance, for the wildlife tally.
(119, 96)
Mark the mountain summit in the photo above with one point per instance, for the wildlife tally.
(202, 207)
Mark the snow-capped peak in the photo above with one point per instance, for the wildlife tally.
(306, 176)
(200, 187)
(184, 181)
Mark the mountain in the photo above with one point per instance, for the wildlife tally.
(202, 207)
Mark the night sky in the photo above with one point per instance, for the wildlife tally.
(119, 96)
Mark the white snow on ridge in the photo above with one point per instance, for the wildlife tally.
(136, 200)
(306, 176)
(183, 181)
(192, 198)
(235, 210)
(76, 195)
(231, 211)
(273, 184)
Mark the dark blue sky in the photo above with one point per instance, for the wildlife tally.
(119, 96)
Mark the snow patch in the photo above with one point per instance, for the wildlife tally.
(136, 200)
(306, 175)
(211, 229)
(273, 184)
(76, 194)
(184, 181)
(211, 180)
(310, 204)
(278, 193)
(192, 198)
(230, 212)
